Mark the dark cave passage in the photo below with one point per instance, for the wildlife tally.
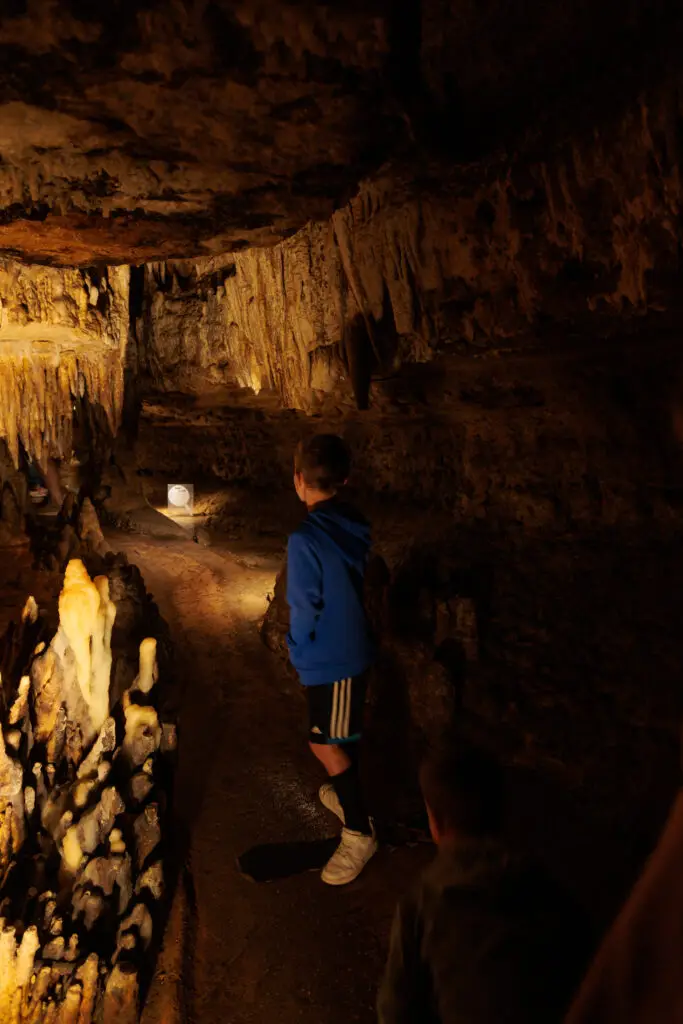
(447, 233)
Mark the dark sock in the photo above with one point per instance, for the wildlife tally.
(352, 751)
(347, 787)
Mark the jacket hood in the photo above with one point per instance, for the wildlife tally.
(345, 528)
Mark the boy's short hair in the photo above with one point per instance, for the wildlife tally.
(324, 462)
(463, 788)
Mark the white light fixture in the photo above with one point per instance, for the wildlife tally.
(180, 498)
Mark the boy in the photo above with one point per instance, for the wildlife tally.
(485, 938)
(329, 639)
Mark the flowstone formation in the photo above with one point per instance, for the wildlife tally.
(63, 338)
(82, 805)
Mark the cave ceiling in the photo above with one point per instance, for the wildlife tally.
(144, 130)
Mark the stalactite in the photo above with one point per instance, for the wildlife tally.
(56, 345)
(471, 257)
(37, 394)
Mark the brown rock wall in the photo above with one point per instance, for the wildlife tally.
(63, 335)
(496, 256)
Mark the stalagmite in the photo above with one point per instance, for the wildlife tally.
(54, 949)
(104, 744)
(79, 604)
(16, 968)
(141, 785)
(67, 788)
(169, 738)
(8, 952)
(11, 805)
(101, 654)
(47, 695)
(148, 673)
(116, 843)
(121, 996)
(90, 531)
(143, 733)
(89, 906)
(136, 929)
(147, 833)
(88, 975)
(92, 829)
(30, 611)
(152, 879)
(69, 1012)
(26, 956)
(37, 993)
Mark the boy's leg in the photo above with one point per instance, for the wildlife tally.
(336, 717)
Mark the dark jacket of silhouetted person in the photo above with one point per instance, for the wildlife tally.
(484, 938)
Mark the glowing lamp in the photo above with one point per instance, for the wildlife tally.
(180, 498)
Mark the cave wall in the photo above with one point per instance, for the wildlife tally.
(548, 443)
(514, 254)
(63, 335)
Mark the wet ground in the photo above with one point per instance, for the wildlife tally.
(237, 951)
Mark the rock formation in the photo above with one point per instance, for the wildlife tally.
(145, 132)
(152, 133)
(82, 882)
(63, 336)
(466, 261)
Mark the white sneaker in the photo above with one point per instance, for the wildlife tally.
(350, 857)
(330, 800)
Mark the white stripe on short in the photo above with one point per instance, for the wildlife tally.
(340, 720)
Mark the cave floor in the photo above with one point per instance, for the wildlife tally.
(237, 951)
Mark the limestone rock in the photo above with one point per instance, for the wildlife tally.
(186, 130)
(121, 996)
(55, 349)
(147, 833)
(462, 260)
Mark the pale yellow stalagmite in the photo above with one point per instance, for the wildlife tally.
(8, 950)
(26, 956)
(61, 713)
(37, 993)
(12, 826)
(101, 654)
(15, 1011)
(88, 974)
(147, 676)
(72, 854)
(121, 996)
(30, 611)
(143, 733)
(86, 615)
(19, 709)
(79, 604)
(71, 1004)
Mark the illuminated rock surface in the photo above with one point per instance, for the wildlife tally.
(87, 929)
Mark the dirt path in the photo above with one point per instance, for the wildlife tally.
(290, 951)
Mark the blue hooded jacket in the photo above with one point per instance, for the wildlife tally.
(329, 636)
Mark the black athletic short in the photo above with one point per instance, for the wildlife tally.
(335, 711)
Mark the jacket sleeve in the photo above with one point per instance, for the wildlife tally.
(304, 591)
(403, 996)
